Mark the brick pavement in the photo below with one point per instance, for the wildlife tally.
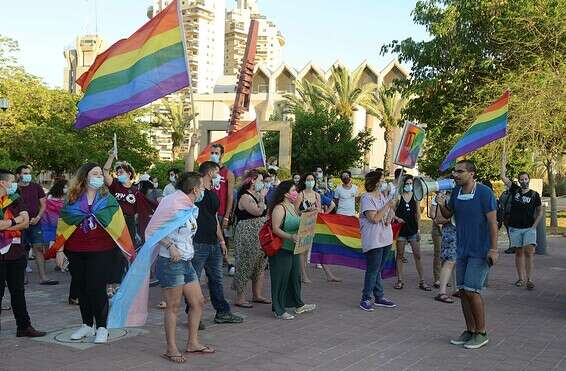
(527, 329)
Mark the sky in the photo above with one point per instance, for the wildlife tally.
(321, 31)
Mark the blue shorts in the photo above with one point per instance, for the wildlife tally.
(471, 273)
(413, 237)
(520, 237)
(176, 274)
(33, 235)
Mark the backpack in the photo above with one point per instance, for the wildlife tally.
(270, 243)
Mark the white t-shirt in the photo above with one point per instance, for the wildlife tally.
(346, 200)
(182, 237)
(169, 189)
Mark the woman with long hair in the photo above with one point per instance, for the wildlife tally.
(90, 247)
(309, 199)
(376, 212)
(447, 249)
(250, 259)
(408, 211)
(285, 267)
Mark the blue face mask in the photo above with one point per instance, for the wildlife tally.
(96, 182)
(408, 188)
(258, 186)
(123, 179)
(26, 178)
(199, 197)
(383, 187)
(13, 188)
(309, 184)
(466, 196)
(215, 158)
(267, 186)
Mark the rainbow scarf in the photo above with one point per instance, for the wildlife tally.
(135, 71)
(243, 150)
(7, 237)
(106, 212)
(337, 241)
(129, 306)
(48, 222)
(488, 127)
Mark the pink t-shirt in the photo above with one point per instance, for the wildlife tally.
(374, 235)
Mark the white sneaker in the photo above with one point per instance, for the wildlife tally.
(82, 332)
(101, 336)
(305, 308)
(285, 315)
(28, 269)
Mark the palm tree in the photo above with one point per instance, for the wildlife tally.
(174, 116)
(387, 105)
(308, 98)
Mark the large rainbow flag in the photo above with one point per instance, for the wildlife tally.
(488, 127)
(243, 150)
(108, 214)
(50, 218)
(129, 305)
(337, 241)
(135, 71)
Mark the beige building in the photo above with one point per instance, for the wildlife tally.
(79, 59)
(269, 88)
(270, 42)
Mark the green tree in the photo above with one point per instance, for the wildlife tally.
(324, 138)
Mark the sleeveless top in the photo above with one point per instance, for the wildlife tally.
(244, 214)
(306, 204)
(290, 225)
(222, 190)
(408, 212)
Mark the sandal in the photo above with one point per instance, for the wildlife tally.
(443, 298)
(423, 286)
(262, 301)
(399, 285)
(404, 260)
(162, 305)
(456, 294)
(244, 305)
(204, 350)
(73, 301)
(177, 358)
(334, 279)
(530, 285)
(519, 283)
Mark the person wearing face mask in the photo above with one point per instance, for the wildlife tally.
(270, 186)
(170, 187)
(34, 201)
(524, 216)
(225, 190)
(408, 212)
(91, 246)
(251, 211)
(13, 261)
(285, 267)
(210, 246)
(475, 210)
(345, 195)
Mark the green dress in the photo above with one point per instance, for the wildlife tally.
(285, 271)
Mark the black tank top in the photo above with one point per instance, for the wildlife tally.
(408, 212)
(244, 214)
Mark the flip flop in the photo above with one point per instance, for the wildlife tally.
(205, 350)
(334, 279)
(177, 358)
(443, 298)
(399, 285)
(49, 283)
(245, 305)
(162, 305)
(423, 286)
(262, 301)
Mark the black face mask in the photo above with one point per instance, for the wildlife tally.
(345, 179)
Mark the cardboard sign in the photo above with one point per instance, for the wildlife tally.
(306, 232)
(410, 146)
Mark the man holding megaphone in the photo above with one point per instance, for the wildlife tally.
(474, 208)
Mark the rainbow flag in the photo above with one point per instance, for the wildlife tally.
(135, 71)
(106, 212)
(243, 150)
(337, 241)
(410, 146)
(50, 218)
(129, 305)
(488, 127)
(8, 237)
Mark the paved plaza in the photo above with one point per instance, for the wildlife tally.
(527, 329)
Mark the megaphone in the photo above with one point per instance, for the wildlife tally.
(421, 187)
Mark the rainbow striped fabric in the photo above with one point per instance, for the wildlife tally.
(337, 241)
(243, 150)
(50, 218)
(129, 305)
(106, 212)
(488, 127)
(7, 237)
(135, 71)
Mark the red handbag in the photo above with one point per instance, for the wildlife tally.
(270, 243)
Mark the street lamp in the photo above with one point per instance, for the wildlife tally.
(4, 104)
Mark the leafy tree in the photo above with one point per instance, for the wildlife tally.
(323, 138)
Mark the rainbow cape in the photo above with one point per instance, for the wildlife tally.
(129, 305)
(488, 127)
(7, 237)
(48, 222)
(108, 214)
(337, 241)
(135, 71)
(243, 150)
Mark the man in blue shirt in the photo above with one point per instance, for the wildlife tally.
(475, 209)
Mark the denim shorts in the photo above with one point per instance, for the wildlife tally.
(520, 237)
(413, 237)
(471, 273)
(173, 274)
(32, 235)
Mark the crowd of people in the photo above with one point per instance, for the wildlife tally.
(464, 234)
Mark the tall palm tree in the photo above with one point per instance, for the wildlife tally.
(174, 116)
(308, 98)
(387, 105)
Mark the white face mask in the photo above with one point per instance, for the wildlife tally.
(466, 196)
